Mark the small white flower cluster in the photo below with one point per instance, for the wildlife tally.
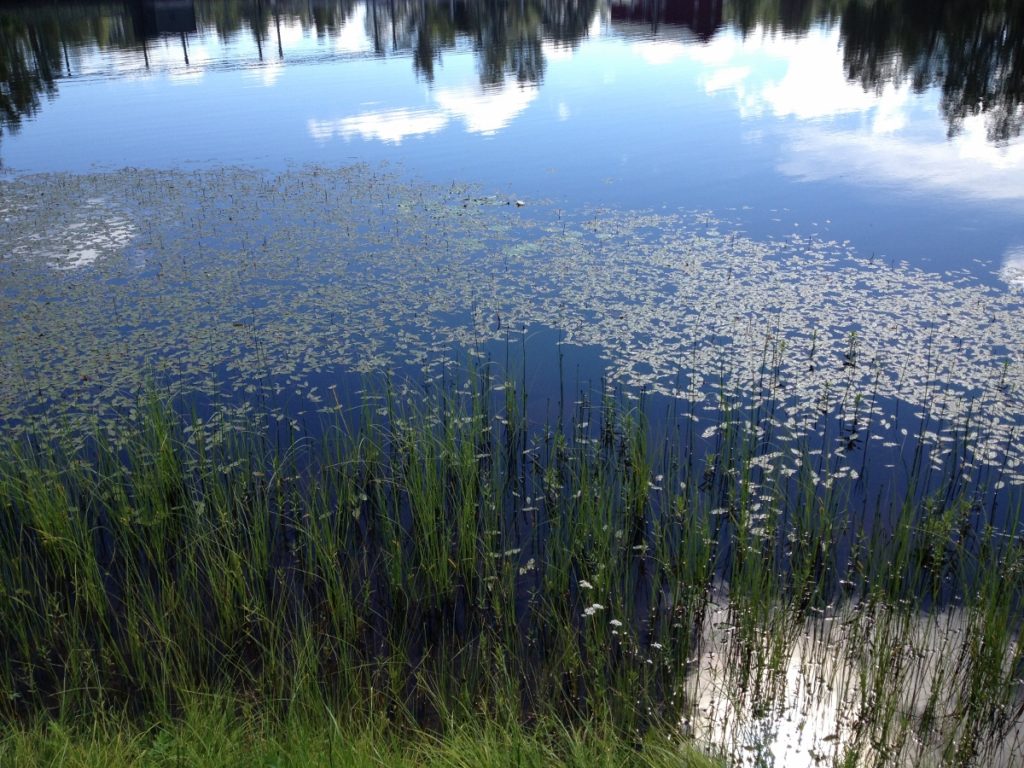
(591, 610)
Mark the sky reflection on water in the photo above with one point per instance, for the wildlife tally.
(799, 120)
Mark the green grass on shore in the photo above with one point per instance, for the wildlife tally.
(537, 595)
(209, 736)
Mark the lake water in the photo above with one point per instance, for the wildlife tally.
(808, 210)
(673, 189)
(895, 128)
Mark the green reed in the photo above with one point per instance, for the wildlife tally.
(434, 558)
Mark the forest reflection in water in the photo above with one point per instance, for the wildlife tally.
(970, 51)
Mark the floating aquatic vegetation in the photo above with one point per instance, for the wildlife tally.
(240, 284)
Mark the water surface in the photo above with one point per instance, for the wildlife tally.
(894, 126)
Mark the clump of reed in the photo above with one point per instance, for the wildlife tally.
(439, 558)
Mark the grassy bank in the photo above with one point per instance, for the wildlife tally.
(444, 565)
(210, 736)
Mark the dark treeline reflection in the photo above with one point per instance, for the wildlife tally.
(703, 17)
(973, 50)
(41, 41)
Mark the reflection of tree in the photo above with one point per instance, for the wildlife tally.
(435, 31)
(787, 16)
(38, 43)
(972, 49)
(508, 40)
(702, 17)
(30, 61)
(229, 17)
(507, 35)
(567, 22)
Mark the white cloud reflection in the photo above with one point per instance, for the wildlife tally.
(267, 73)
(966, 165)
(94, 231)
(788, 77)
(486, 111)
(353, 36)
(389, 126)
(483, 111)
(556, 51)
(659, 53)
(1012, 270)
(728, 78)
(842, 129)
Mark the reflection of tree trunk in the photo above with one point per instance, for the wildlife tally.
(394, 26)
(258, 28)
(184, 47)
(377, 47)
